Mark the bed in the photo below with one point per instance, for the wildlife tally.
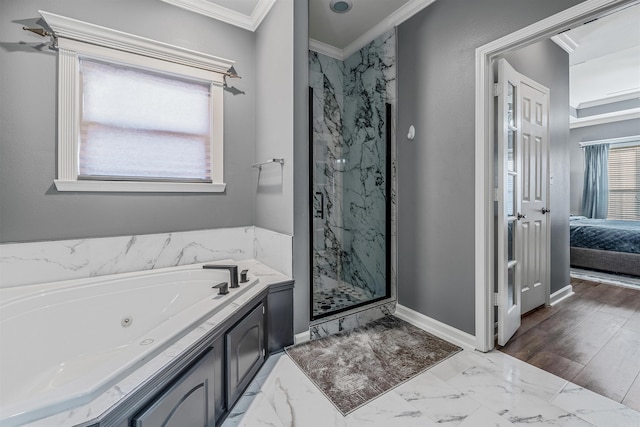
(606, 245)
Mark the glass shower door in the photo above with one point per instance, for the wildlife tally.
(350, 182)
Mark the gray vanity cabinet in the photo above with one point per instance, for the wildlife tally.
(200, 388)
(245, 343)
(189, 402)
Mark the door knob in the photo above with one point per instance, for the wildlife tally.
(521, 216)
(545, 210)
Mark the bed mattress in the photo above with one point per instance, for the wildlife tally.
(605, 234)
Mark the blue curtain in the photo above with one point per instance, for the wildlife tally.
(595, 193)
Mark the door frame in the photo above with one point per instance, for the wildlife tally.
(484, 128)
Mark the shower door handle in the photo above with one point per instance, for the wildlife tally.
(320, 212)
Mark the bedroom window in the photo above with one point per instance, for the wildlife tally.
(134, 114)
(624, 182)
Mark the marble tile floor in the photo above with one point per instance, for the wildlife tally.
(327, 300)
(470, 389)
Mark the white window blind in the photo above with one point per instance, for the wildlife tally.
(624, 183)
(141, 125)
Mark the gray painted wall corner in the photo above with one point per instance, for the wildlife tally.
(301, 242)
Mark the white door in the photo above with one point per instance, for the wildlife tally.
(533, 227)
(521, 194)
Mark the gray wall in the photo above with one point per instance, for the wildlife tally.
(274, 118)
(546, 63)
(30, 207)
(436, 178)
(301, 242)
(592, 133)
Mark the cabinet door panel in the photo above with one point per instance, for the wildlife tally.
(245, 352)
(187, 403)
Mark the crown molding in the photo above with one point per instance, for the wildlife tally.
(73, 29)
(565, 41)
(632, 94)
(617, 116)
(204, 7)
(396, 18)
(326, 49)
(390, 22)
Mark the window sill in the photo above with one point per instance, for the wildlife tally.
(139, 187)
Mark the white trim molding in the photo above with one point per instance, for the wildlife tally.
(137, 186)
(73, 29)
(484, 165)
(600, 119)
(326, 49)
(565, 41)
(560, 295)
(302, 337)
(626, 96)
(212, 10)
(77, 39)
(614, 141)
(396, 18)
(442, 330)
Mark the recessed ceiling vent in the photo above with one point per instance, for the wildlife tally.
(340, 6)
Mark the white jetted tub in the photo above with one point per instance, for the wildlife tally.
(64, 343)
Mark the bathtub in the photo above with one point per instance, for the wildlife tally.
(64, 343)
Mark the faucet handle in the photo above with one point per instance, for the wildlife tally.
(243, 276)
(223, 288)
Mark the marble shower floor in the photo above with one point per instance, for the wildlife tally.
(342, 296)
(470, 389)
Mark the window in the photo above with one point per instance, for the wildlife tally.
(136, 114)
(624, 182)
(138, 125)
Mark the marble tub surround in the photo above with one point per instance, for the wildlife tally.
(89, 413)
(350, 177)
(470, 389)
(43, 262)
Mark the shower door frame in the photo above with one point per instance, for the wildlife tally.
(388, 213)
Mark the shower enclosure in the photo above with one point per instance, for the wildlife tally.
(350, 167)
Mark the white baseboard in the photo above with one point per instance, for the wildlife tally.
(560, 294)
(301, 337)
(436, 328)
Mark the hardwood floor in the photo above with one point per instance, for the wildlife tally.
(591, 339)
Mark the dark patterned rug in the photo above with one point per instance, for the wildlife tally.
(354, 367)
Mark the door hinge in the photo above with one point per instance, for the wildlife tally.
(495, 299)
(263, 309)
(264, 353)
(496, 193)
(497, 89)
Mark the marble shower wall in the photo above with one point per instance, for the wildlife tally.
(349, 130)
(369, 84)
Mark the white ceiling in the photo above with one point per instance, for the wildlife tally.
(341, 29)
(247, 14)
(606, 61)
(246, 7)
